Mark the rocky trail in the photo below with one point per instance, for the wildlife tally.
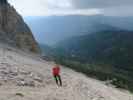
(25, 76)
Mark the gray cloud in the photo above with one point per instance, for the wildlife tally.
(119, 11)
(108, 7)
(100, 3)
(73, 7)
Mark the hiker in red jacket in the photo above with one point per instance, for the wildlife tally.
(56, 74)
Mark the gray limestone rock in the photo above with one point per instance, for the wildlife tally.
(14, 31)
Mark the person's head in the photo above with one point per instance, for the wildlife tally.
(57, 65)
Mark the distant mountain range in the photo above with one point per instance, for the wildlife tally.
(52, 29)
(109, 47)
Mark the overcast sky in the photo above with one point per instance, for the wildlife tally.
(73, 7)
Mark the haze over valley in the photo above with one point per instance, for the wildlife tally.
(51, 29)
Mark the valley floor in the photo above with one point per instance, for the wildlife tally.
(26, 77)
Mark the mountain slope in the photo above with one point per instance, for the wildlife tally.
(103, 55)
(110, 47)
(14, 31)
(26, 76)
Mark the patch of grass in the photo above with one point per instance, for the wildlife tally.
(19, 94)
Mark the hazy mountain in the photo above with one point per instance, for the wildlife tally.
(52, 29)
(110, 47)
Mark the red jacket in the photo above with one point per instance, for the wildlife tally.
(56, 70)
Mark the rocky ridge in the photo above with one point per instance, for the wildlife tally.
(14, 31)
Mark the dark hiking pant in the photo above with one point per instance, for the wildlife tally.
(58, 80)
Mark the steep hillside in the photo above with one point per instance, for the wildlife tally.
(14, 31)
(27, 77)
(104, 55)
(113, 47)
